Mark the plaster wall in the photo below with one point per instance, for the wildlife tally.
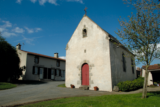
(96, 56)
(150, 79)
(118, 74)
(23, 60)
(43, 62)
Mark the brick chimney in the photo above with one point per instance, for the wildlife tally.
(18, 46)
(56, 55)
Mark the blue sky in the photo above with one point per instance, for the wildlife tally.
(45, 26)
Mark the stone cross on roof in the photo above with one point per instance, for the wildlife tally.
(85, 10)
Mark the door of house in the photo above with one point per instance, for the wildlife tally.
(41, 73)
(85, 74)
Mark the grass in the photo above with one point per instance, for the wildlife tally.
(127, 100)
(4, 85)
(61, 85)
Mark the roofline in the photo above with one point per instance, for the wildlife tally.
(144, 67)
(41, 55)
(112, 37)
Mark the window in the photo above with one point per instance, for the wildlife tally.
(36, 70)
(58, 63)
(63, 73)
(52, 72)
(36, 59)
(123, 60)
(132, 65)
(84, 33)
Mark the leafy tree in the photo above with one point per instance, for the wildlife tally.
(141, 34)
(9, 61)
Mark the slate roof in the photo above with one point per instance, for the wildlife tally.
(31, 53)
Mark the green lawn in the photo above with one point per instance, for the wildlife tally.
(61, 85)
(4, 85)
(129, 100)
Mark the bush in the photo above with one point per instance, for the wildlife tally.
(131, 85)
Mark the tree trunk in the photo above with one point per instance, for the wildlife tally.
(144, 92)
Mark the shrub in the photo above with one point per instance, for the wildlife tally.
(131, 85)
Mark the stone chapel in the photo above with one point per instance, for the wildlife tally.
(93, 58)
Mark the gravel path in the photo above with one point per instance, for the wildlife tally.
(26, 93)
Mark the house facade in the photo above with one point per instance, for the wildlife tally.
(154, 73)
(93, 58)
(39, 67)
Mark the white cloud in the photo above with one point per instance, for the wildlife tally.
(2, 29)
(7, 24)
(28, 40)
(29, 30)
(37, 29)
(18, 1)
(63, 57)
(41, 2)
(18, 30)
(33, 1)
(53, 2)
(7, 34)
(81, 1)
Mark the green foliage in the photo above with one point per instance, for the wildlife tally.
(61, 85)
(141, 33)
(9, 61)
(4, 85)
(131, 85)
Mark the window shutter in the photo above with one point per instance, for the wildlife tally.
(59, 72)
(38, 70)
(33, 70)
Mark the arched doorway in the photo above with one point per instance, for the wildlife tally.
(85, 74)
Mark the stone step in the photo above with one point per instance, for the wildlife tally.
(84, 87)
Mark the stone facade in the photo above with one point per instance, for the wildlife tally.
(102, 56)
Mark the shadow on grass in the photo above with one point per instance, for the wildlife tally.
(156, 93)
(28, 82)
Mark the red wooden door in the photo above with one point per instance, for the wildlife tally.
(85, 74)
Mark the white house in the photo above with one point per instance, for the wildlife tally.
(96, 58)
(154, 73)
(38, 67)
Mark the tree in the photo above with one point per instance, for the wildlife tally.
(9, 61)
(141, 34)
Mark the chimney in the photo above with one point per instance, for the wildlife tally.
(18, 46)
(56, 55)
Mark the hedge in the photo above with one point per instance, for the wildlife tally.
(131, 85)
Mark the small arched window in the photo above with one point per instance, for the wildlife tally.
(123, 61)
(84, 33)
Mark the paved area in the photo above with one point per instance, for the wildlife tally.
(25, 93)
